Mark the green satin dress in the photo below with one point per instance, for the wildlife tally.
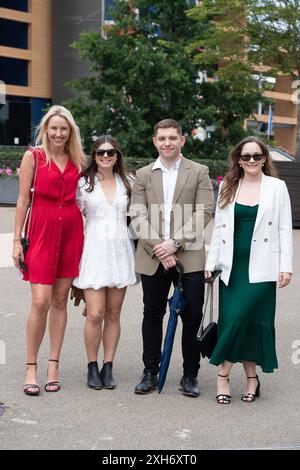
(246, 329)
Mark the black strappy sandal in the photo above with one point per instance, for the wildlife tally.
(28, 387)
(52, 386)
(223, 399)
(250, 397)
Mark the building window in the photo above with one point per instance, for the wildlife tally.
(13, 34)
(21, 5)
(15, 121)
(14, 71)
(108, 6)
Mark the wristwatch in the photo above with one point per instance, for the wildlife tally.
(177, 244)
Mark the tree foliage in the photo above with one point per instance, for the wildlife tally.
(147, 69)
(141, 73)
(222, 50)
(274, 29)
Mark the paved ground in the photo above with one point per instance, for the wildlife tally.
(79, 418)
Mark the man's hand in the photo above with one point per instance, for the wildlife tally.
(164, 250)
(169, 262)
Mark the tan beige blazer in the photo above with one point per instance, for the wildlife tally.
(191, 211)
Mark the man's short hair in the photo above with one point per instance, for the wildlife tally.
(165, 123)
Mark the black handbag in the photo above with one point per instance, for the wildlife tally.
(208, 336)
(208, 339)
(25, 244)
(77, 294)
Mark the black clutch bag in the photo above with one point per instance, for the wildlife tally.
(208, 336)
(25, 244)
(77, 294)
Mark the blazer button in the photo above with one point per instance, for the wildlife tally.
(224, 241)
(224, 225)
(270, 223)
(265, 239)
(254, 240)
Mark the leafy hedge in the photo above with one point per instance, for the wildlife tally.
(216, 167)
(11, 158)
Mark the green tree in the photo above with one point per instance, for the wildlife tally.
(222, 50)
(142, 72)
(274, 31)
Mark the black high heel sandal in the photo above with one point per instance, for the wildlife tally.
(223, 399)
(52, 386)
(249, 397)
(31, 389)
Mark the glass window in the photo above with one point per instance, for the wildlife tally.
(14, 71)
(13, 33)
(21, 5)
(15, 121)
(108, 5)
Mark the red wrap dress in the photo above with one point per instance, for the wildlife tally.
(56, 227)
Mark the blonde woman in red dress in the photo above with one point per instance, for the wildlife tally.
(55, 236)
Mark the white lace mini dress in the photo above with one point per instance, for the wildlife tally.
(108, 252)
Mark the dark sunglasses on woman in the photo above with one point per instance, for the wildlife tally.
(246, 157)
(109, 152)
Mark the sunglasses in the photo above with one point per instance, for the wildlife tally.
(246, 157)
(109, 152)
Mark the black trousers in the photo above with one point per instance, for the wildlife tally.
(156, 290)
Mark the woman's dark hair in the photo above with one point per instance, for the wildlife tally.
(235, 172)
(89, 173)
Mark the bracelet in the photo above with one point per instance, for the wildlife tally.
(16, 239)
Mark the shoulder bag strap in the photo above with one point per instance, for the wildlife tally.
(32, 191)
(209, 295)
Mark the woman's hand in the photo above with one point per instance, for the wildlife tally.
(207, 274)
(17, 253)
(284, 279)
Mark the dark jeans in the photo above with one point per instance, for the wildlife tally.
(156, 289)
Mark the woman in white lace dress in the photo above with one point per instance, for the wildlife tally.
(107, 263)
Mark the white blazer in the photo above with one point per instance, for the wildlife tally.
(272, 240)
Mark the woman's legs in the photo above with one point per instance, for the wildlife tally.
(112, 327)
(223, 379)
(36, 326)
(250, 371)
(57, 324)
(96, 304)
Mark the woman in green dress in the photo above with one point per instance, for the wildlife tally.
(252, 245)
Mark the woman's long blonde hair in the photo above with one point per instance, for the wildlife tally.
(73, 147)
(235, 172)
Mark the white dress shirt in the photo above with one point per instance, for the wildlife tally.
(169, 177)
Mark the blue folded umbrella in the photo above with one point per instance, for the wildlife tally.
(176, 306)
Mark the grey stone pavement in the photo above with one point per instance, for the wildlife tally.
(79, 418)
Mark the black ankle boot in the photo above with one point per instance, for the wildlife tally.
(106, 376)
(93, 376)
(147, 384)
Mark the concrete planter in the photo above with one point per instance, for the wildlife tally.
(9, 190)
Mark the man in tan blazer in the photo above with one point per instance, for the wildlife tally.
(171, 203)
